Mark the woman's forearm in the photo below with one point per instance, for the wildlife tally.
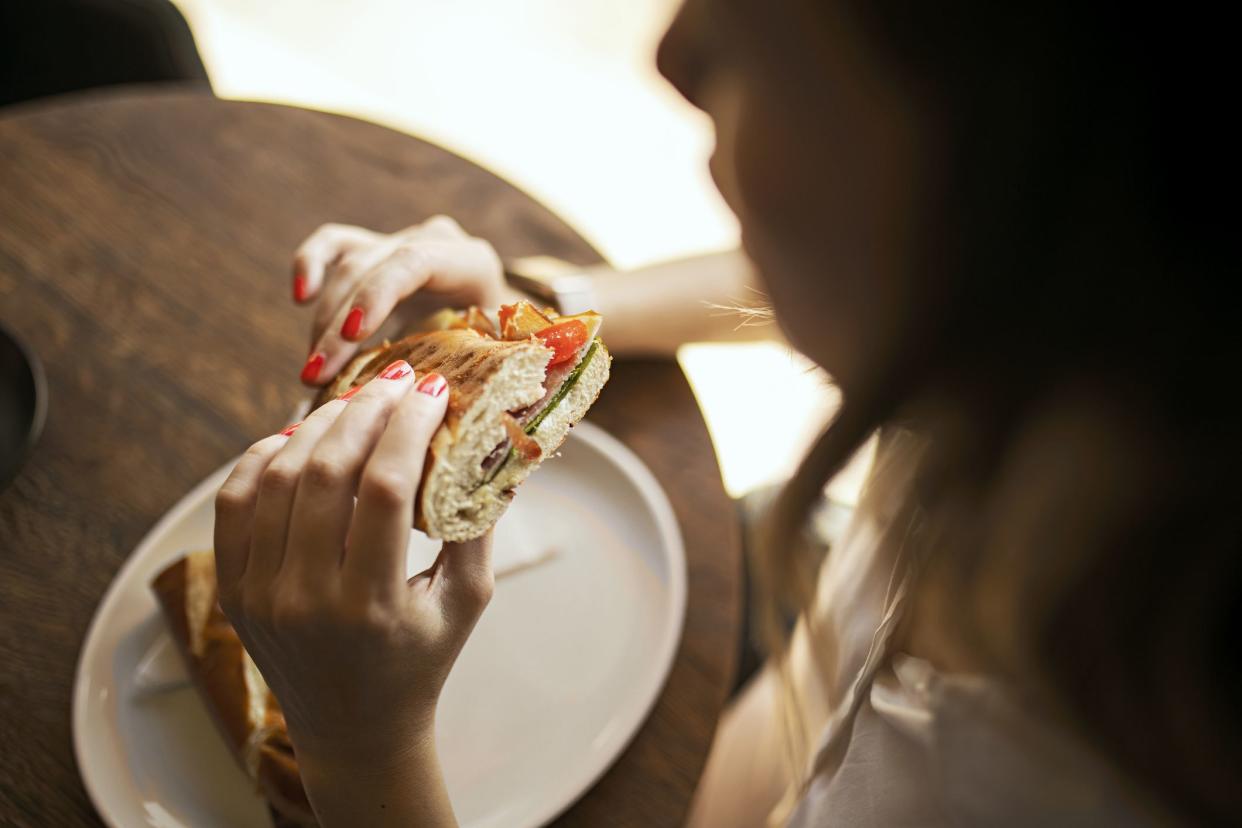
(653, 310)
(394, 791)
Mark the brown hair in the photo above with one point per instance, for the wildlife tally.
(1075, 497)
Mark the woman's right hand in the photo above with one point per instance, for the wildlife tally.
(357, 278)
(311, 533)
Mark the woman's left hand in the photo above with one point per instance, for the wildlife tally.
(358, 278)
(355, 653)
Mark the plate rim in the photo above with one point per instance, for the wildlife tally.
(627, 462)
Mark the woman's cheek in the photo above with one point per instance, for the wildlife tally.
(773, 173)
(781, 200)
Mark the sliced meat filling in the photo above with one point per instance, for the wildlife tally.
(524, 422)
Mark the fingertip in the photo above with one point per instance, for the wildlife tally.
(433, 385)
(352, 327)
(419, 412)
(396, 370)
(299, 289)
(427, 399)
(312, 371)
(304, 289)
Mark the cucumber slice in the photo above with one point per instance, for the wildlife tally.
(569, 383)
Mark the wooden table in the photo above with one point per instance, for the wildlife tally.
(145, 243)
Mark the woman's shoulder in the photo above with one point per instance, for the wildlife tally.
(935, 748)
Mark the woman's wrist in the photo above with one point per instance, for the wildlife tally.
(392, 785)
(355, 757)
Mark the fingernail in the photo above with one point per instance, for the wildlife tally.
(397, 370)
(433, 385)
(288, 431)
(299, 288)
(314, 364)
(349, 395)
(353, 324)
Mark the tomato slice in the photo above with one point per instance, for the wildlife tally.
(505, 315)
(565, 339)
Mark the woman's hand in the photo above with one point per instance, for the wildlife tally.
(359, 277)
(316, 588)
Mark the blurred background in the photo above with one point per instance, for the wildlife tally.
(562, 98)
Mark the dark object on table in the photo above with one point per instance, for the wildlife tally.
(23, 404)
(48, 47)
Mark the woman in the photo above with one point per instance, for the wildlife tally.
(973, 217)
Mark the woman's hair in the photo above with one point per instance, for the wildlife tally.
(1076, 493)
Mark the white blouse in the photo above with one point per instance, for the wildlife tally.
(906, 745)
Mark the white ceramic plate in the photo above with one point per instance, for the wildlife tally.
(556, 679)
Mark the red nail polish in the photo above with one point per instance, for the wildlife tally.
(353, 324)
(289, 431)
(314, 364)
(433, 385)
(299, 288)
(396, 370)
(349, 395)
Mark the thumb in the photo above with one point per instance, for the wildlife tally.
(466, 578)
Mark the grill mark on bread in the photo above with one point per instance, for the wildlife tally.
(465, 358)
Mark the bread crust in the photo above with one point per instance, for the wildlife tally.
(465, 358)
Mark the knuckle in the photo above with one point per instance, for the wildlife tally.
(493, 266)
(323, 472)
(485, 249)
(477, 591)
(257, 450)
(251, 605)
(234, 496)
(290, 614)
(321, 235)
(443, 222)
(369, 295)
(411, 255)
(326, 413)
(387, 488)
(367, 618)
(279, 478)
(346, 264)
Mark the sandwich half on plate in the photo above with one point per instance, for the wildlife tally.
(516, 387)
(237, 697)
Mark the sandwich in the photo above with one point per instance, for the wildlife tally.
(516, 386)
(244, 709)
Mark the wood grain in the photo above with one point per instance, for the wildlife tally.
(145, 243)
